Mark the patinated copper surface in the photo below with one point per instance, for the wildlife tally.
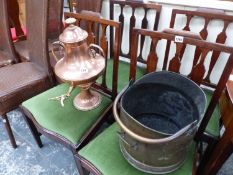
(158, 121)
(81, 65)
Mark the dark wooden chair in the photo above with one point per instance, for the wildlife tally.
(207, 15)
(55, 14)
(224, 147)
(54, 27)
(134, 5)
(221, 152)
(21, 81)
(147, 8)
(67, 125)
(7, 52)
(109, 160)
(212, 133)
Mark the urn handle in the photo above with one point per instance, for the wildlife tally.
(92, 51)
(56, 43)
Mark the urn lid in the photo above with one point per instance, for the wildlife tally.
(72, 33)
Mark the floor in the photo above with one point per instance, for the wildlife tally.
(52, 159)
(28, 159)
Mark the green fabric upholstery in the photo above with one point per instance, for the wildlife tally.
(213, 125)
(66, 121)
(104, 153)
(123, 74)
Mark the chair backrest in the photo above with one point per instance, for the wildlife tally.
(198, 71)
(54, 12)
(207, 15)
(134, 5)
(55, 24)
(37, 33)
(103, 42)
(6, 43)
(89, 5)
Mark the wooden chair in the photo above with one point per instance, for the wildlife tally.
(7, 52)
(21, 81)
(67, 125)
(221, 152)
(54, 27)
(208, 15)
(224, 147)
(134, 5)
(212, 133)
(109, 160)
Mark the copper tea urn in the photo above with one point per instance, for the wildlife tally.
(81, 65)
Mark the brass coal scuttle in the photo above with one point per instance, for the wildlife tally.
(80, 66)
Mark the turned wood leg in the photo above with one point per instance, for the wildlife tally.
(35, 133)
(9, 130)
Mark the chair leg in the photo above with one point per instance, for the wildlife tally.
(9, 131)
(34, 131)
(81, 170)
(205, 157)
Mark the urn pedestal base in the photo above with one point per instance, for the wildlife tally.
(87, 100)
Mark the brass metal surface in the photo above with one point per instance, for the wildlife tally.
(158, 154)
(154, 149)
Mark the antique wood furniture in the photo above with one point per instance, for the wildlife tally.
(55, 14)
(7, 52)
(67, 125)
(134, 5)
(224, 148)
(213, 129)
(97, 160)
(208, 15)
(21, 81)
(54, 27)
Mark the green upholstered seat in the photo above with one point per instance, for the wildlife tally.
(123, 74)
(213, 125)
(104, 153)
(66, 121)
